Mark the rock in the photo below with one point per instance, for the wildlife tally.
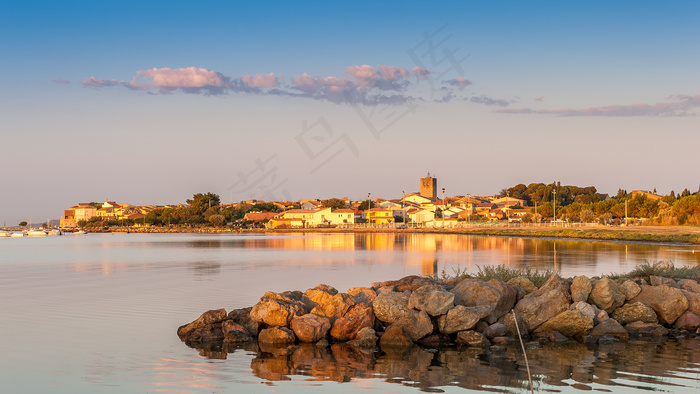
(208, 333)
(358, 317)
(310, 327)
(688, 321)
(480, 326)
(208, 317)
(545, 303)
(509, 323)
(390, 307)
(435, 340)
(585, 308)
(521, 292)
(600, 316)
(432, 299)
(606, 295)
(572, 324)
(668, 302)
(693, 301)
(664, 265)
(461, 318)
(234, 332)
(416, 324)
(276, 336)
(411, 283)
(636, 311)
(629, 288)
(690, 285)
(494, 293)
(495, 330)
(472, 338)
(502, 341)
(523, 282)
(395, 336)
(317, 295)
(365, 338)
(275, 312)
(610, 327)
(551, 336)
(386, 290)
(363, 295)
(242, 317)
(641, 329)
(660, 281)
(334, 307)
(581, 288)
(287, 297)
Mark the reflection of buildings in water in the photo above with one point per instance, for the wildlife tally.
(206, 268)
(428, 266)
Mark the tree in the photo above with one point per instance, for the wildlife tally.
(22, 223)
(587, 215)
(333, 203)
(82, 223)
(264, 207)
(201, 202)
(363, 205)
(217, 220)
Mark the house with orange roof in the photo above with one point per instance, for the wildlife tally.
(284, 223)
(379, 216)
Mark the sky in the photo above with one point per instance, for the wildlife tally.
(152, 102)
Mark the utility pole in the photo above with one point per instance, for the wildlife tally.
(555, 206)
(443, 207)
(625, 212)
(369, 205)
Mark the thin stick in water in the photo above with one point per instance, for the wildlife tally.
(527, 364)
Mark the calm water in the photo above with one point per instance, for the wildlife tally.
(98, 313)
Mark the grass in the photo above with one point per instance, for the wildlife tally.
(647, 269)
(499, 272)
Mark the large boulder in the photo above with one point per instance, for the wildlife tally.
(668, 302)
(395, 336)
(547, 302)
(581, 288)
(334, 307)
(494, 293)
(366, 338)
(310, 327)
(584, 307)
(275, 312)
(410, 283)
(690, 285)
(495, 330)
(317, 295)
(641, 329)
(416, 324)
(390, 307)
(572, 324)
(693, 301)
(629, 288)
(472, 338)
(363, 295)
(234, 332)
(633, 312)
(688, 321)
(208, 317)
(661, 281)
(523, 282)
(242, 317)
(207, 333)
(612, 328)
(513, 326)
(461, 318)
(358, 317)
(276, 336)
(432, 299)
(606, 295)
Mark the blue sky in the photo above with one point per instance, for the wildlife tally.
(151, 102)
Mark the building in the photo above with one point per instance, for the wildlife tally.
(646, 193)
(76, 213)
(428, 187)
(379, 216)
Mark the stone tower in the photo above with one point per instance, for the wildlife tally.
(428, 187)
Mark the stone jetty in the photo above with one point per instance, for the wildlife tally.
(467, 312)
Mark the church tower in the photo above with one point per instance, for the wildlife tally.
(428, 187)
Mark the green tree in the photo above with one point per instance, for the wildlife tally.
(363, 205)
(22, 223)
(82, 223)
(217, 220)
(333, 203)
(265, 207)
(587, 215)
(201, 202)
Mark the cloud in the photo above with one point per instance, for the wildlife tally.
(260, 81)
(189, 80)
(540, 99)
(489, 101)
(421, 72)
(393, 73)
(93, 82)
(682, 106)
(364, 75)
(458, 82)
(59, 80)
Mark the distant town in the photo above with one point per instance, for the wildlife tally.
(426, 208)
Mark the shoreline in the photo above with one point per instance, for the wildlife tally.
(665, 235)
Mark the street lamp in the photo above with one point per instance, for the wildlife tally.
(369, 205)
(469, 203)
(443, 207)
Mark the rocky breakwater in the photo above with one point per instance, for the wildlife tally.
(467, 312)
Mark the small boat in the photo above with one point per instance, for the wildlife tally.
(5, 234)
(18, 234)
(37, 233)
(80, 232)
(54, 232)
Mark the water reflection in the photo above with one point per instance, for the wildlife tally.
(669, 365)
(433, 253)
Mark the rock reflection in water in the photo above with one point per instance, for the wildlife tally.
(668, 365)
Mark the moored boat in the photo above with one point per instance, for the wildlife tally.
(5, 234)
(18, 234)
(37, 233)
